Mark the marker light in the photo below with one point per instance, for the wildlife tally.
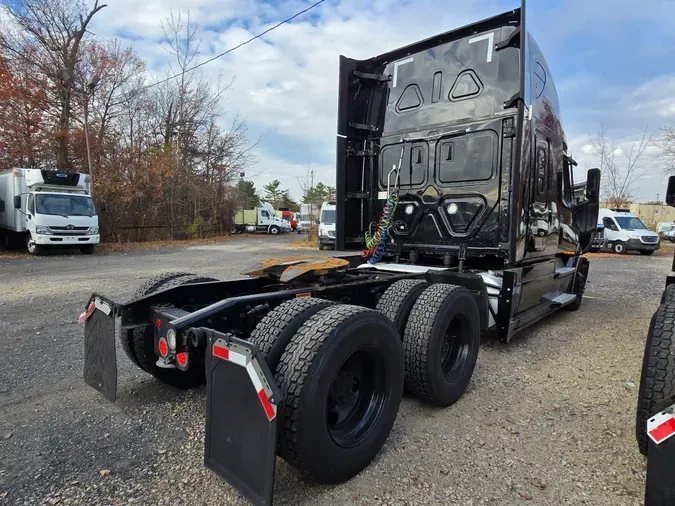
(171, 338)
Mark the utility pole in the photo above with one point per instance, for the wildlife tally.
(90, 90)
(91, 86)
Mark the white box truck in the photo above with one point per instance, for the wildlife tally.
(48, 209)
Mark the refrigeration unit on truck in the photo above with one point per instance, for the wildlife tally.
(261, 219)
(45, 209)
(453, 181)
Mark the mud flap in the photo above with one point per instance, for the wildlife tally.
(660, 485)
(100, 359)
(241, 416)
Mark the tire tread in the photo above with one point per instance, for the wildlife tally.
(293, 373)
(397, 296)
(657, 385)
(272, 326)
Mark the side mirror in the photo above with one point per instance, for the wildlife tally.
(17, 201)
(670, 192)
(103, 205)
(593, 185)
(2, 206)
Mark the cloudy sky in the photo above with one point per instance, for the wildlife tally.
(612, 61)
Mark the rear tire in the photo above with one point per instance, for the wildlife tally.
(657, 378)
(441, 344)
(398, 300)
(276, 329)
(139, 344)
(342, 374)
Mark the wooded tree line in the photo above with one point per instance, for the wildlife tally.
(313, 194)
(159, 154)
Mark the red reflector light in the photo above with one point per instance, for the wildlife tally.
(163, 347)
(158, 323)
(182, 359)
(221, 352)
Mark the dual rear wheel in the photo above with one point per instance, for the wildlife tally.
(342, 369)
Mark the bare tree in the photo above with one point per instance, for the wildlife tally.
(622, 165)
(667, 144)
(47, 34)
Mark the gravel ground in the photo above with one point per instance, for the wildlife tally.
(548, 419)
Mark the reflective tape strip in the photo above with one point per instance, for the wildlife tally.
(661, 427)
(97, 304)
(229, 355)
(270, 409)
(242, 360)
(84, 316)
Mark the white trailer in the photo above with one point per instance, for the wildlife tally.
(47, 209)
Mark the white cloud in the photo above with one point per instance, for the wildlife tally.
(656, 97)
(286, 83)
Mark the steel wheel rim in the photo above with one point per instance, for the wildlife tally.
(356, 397)
(455, 347)
(31, 247)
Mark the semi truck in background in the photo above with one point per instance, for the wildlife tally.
(261, 219)
(45, 209)
(287, 215)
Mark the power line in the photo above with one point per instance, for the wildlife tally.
(288, 20)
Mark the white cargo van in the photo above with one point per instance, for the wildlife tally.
(327, 225)
(48, 209)
(625, 231)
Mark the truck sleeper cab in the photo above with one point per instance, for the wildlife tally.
(625, 232)
(451, 152)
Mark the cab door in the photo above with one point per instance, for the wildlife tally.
(541, 216)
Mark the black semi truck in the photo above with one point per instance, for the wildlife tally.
(453, 177)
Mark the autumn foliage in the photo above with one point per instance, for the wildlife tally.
(165, 157)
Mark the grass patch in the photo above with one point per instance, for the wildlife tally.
(306, 243)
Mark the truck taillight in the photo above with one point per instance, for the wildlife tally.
(163, 347)
(182, 360)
